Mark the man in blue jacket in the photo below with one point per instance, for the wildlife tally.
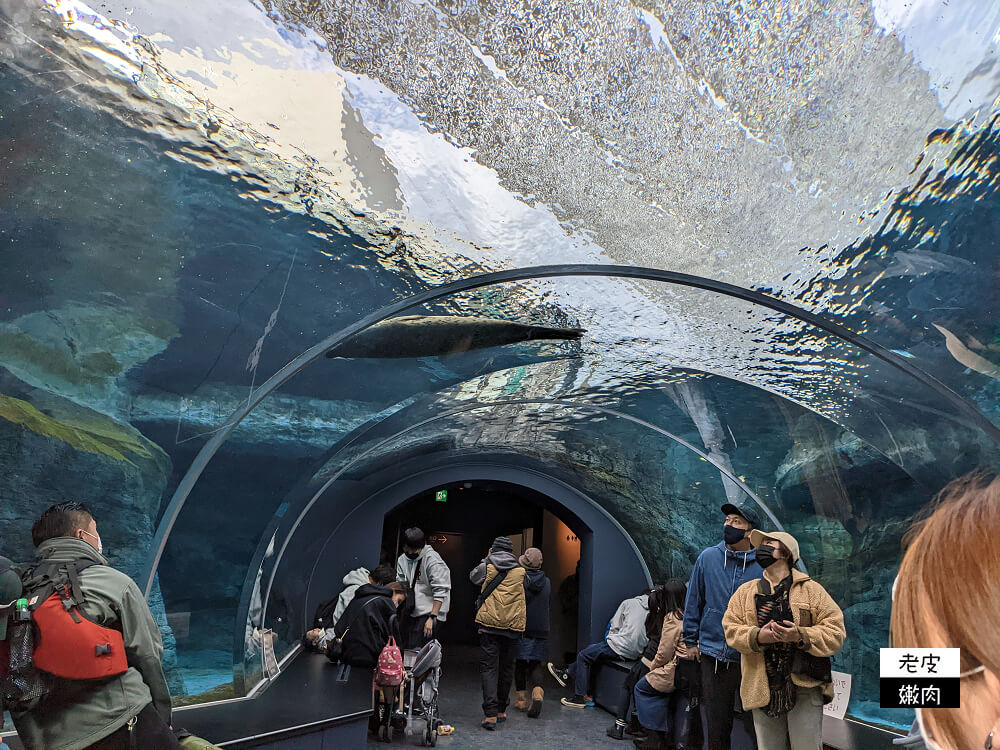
(717, 573)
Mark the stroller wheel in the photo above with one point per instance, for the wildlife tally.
(430, 737)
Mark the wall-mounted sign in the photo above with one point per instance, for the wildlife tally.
(841, 695)
(441, 496)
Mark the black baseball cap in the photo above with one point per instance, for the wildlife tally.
(748, 514)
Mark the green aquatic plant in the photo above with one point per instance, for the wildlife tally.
(95, 436)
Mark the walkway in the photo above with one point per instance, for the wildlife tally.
(558, 727)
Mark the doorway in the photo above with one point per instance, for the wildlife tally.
(461, 520)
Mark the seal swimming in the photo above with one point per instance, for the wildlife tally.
(413, 336)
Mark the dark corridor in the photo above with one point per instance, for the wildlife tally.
(461, 519)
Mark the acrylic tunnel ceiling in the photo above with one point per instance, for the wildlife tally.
(192, 195)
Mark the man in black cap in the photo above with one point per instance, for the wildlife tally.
(718, 572)
(501, 615)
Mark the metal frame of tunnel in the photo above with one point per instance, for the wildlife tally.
(197, 467)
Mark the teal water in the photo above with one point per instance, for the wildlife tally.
(190, 198)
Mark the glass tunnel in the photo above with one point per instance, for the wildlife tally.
(276, 273)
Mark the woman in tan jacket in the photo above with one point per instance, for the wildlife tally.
(661, 708)
(785, 626)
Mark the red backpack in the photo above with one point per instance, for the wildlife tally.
(389, 672)
(58, 640)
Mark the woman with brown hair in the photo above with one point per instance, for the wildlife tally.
(947, 595)
(786, 627)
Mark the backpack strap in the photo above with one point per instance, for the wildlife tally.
(490, 588)
(58, 577)
(416, 574)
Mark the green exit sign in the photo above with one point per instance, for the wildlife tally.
(441, 496)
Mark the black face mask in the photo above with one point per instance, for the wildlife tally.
(412, 555)
(732, 535)
(764, 555)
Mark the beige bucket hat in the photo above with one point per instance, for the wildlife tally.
(758, 537)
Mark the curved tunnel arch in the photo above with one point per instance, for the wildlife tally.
(270, 536)
(205, 455)
(279, 556)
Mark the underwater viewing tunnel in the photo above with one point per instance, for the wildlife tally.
(281, 279)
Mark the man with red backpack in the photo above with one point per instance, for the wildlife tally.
(75, 597)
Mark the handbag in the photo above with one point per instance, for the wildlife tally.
(411, 593)
(814, 667)
(687, 679)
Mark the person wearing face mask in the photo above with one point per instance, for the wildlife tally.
(421, 568)
(786, 627)
(947, 596)
(129, 709)
(718, 572)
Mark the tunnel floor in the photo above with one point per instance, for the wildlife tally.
(557, 727)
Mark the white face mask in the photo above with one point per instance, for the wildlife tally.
(924, 734)
(100, 545)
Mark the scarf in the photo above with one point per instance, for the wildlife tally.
(777, 656)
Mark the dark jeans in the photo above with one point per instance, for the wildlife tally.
(720, 690)
(150, 731)
(527, 673)
(413, 632)
(625, 706)
(496, 666)
(579, 671)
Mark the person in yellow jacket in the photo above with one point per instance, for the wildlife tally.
(785, 626)
(501, 615)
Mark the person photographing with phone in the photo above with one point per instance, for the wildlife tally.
(786, 627)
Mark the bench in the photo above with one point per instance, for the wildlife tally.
(608, 676)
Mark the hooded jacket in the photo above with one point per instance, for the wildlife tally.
(504, 612)
(434, 583)
(78, 714)
(364, 626)
(537, 591)
(716, 575)
(627, 636)
(329, 612)
(813, 610)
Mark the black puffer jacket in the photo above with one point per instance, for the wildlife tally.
(537, 590)
(364, 626)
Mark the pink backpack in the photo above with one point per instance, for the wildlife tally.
(389, 672)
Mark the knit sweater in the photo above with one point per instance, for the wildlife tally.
(813, 610)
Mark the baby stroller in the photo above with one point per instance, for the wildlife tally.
(412, 708)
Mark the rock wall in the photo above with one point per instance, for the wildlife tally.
(52, 451)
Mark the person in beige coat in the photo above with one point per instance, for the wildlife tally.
(663, 710)
(785, 626)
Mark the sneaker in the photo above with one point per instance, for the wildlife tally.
(490, 723)
(589, 702)
(561, 675)
(617, 730)
(577, 701)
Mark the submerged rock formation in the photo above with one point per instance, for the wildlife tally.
(56, 451)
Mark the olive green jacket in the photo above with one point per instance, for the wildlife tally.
(79, 713)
